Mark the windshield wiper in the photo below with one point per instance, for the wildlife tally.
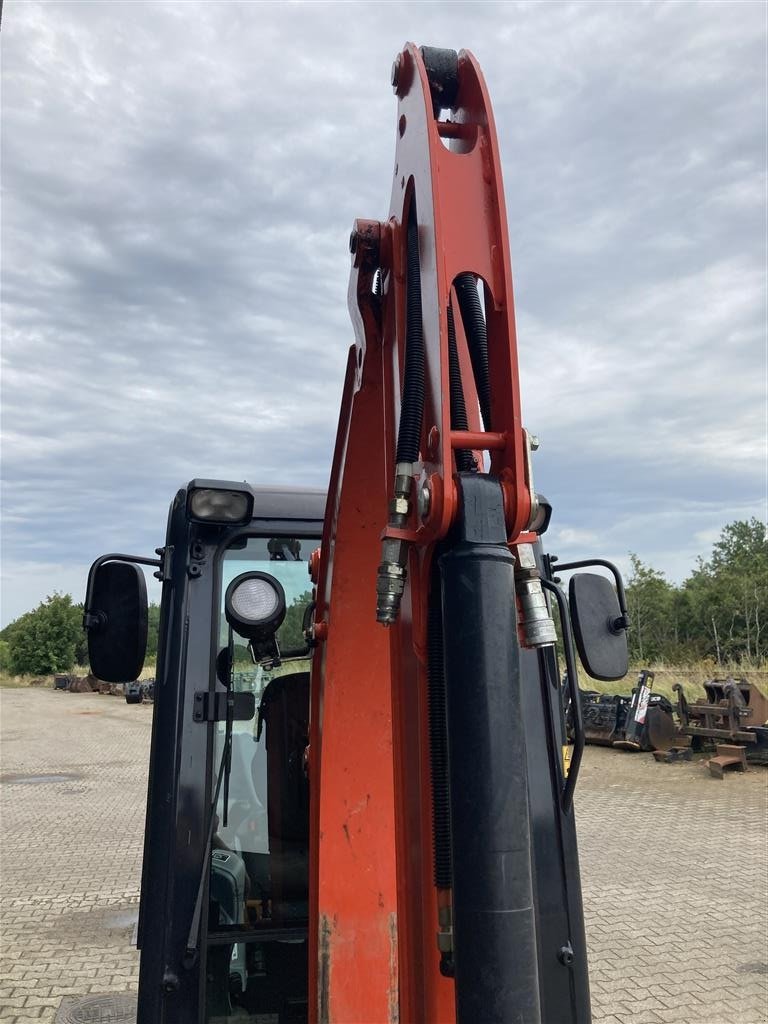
(225, 770)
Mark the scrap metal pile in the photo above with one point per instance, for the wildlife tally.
(732, 718)
(136, 691)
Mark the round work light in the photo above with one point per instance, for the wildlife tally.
(254, 605)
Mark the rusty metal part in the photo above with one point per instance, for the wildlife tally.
(727, 756)
(673, 754)
(703, 732)
(661, 729)
(632, 745)
(731, 710)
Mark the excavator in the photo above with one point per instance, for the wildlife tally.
(361, 793)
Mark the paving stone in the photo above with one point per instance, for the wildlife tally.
(673, 874)
(70, 864)
(673, 867)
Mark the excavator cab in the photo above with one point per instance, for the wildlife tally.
(224, 917)
(224, 909)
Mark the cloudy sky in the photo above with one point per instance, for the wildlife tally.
(180, 180)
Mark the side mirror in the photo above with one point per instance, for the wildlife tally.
(598, 626)
(116, 620)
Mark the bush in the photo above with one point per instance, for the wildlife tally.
(46, 640)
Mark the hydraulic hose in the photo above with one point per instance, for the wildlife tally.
(439, 772)
(391, 576)
(477, 339)
(438, 743)
(412, 406)
(464, 458)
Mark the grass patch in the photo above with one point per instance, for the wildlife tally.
(10, 682)
(692, 676)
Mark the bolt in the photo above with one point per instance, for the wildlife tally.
(534, 442)
(170, 982)
(433, 440)
(425, 500)
(565, 955)
(395, 76)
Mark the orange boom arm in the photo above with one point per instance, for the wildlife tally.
(432, 465)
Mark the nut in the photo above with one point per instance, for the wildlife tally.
(425, 501)
(399, 507)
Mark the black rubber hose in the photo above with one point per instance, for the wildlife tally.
(412, 406)
(464, 458)
(477, 339)
(438, 742)
(442, 67)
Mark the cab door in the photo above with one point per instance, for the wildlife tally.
(256, 912)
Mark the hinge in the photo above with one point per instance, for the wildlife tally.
(212, 707)
(166, 555)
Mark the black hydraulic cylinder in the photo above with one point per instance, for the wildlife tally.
(495, 951)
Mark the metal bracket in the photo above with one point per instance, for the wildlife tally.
(95, 620)
(212, 707)
(166, 556)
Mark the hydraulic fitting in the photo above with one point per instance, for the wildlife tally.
(392, 573)
(445, 929)
(538, 625)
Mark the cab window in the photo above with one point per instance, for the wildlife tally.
(258, 886)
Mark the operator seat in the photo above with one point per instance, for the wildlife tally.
(226, 965)
(284, 710)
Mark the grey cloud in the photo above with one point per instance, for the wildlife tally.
(180, 183)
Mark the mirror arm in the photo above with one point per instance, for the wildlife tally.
(95, 620)
(573, 678)
(623, 621)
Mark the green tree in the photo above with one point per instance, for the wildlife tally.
(153, 626)
(650, 600)
(291, 633)
(47, 639)
(728, 594)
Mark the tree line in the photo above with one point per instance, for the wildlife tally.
(51, 638)
(719, 612)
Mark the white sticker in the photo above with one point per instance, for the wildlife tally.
(642, 707)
